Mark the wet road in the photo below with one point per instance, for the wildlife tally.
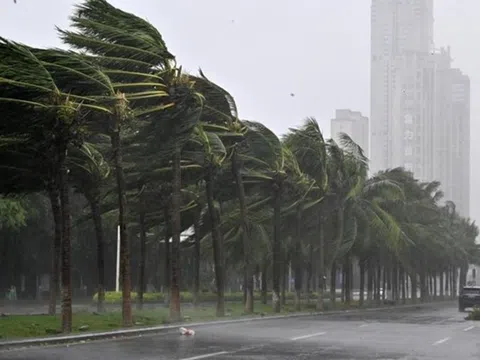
(433, 332)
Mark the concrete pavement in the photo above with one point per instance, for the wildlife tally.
(436, 331)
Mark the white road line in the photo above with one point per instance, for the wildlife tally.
(205, 356)
(469, 328)
(441, 341)
(363, 325)
(307, 336)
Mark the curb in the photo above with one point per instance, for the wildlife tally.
(78, 338)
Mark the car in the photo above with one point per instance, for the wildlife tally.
(469, 297)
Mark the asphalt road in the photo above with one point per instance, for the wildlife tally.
(433, 332)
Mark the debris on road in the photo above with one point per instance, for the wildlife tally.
(187, 332)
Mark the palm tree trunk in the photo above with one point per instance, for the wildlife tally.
(414, 286)
(362, 282)
(54, 195)
(246, 237)
(122, 221)
(175, 311)
(423, 285)
(333, 284)
(309, 271)
(66, 245)
(143, 253)
(447, 282)
(395, 283)
(348, 280)
(401, 279)
(264, 289)
(378, 279)
(463, 275)
(297, 262)
(277, 261)
(384, 284)
(218, 255)
(284, 276)
(321, 266)
(407, 286)
(454, 281)
(370, 281)
(338, 242)
(441, 285)
(196, 257)
(97, 223)
(167, 254)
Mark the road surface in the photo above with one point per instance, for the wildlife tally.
(434, 332)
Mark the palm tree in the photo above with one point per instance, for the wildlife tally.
(272, 167)
(310, 149)
(220, 112)
(89, 172)
(131, 52)
(36, 82)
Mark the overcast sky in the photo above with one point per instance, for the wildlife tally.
(264, 50)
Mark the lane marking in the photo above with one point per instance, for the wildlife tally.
(364, 325)
(205, 356)
(441, 341)
(469, 328)
(307, 336)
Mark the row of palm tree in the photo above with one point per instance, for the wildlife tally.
(117, 119)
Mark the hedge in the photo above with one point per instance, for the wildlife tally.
(112, 297)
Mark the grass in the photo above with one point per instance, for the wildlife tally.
(25, 326)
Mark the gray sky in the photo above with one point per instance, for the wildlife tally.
(317, 49)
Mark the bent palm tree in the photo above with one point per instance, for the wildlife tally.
(89, 172)
(35, 83)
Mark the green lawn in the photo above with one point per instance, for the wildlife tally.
(23, 326)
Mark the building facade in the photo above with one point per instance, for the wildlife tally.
(452, 132)
(458, 188)
(401, 111)
(352, 123)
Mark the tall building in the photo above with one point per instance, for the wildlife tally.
(402, 85)
(460, 185)
(451, 133)
(352, 123)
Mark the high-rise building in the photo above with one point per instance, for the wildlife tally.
(452, 132)
(352, 123)
(460, 185)
(402, 81)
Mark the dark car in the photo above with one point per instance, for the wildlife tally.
(469, 297)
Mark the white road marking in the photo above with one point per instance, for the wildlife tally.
(307, 336)
(205, 356)
(469, 328)
(441, 341)
(363, 325)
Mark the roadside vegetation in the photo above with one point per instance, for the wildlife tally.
(116, 133)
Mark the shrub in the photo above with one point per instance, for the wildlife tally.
(112, 297)
(474, 314)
